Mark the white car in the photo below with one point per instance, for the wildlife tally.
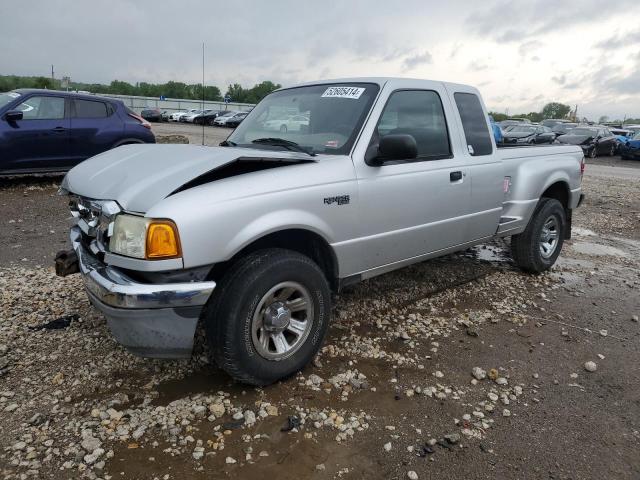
(293, 123)
(222, 119)
(175, 116)
(190, 116)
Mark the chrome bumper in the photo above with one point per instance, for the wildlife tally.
(112, 287)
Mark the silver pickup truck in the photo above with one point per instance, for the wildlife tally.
(322, 185)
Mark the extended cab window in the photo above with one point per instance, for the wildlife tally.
(42, 108)
(90, 109)
(474, 124)
(417, 113)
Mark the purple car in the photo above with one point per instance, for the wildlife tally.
(51, 131)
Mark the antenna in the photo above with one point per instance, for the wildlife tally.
(203, 93)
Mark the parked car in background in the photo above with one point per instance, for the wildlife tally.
(221, 120)
(630, 150)
(290, 123)
(504, 124)
(593, 140)
(633, 128)
(208, 117)
(51, 131)
(151, 115)
(165, 116)
(236, 120)
(175, 116)
(622, 135)
(552, 122)
(188, 117)
(497, 131)
(562, 128)
(530, 134)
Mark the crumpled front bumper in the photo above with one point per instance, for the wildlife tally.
(150, 320)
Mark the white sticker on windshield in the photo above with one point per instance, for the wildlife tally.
(343, 92)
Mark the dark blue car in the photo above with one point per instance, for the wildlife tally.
(51, 131)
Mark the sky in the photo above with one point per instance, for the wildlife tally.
(520, 54)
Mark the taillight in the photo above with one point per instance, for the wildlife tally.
(582, 166)
(142, 121)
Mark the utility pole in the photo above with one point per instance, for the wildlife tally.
(52, 77)
(203, 93)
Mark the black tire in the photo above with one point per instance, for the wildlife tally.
(612, 150)
(212, 122)
(228, 317)
(593, 153)
(525, 247)
(283, 128)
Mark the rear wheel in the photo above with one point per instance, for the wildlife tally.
(269, 316)
(537, 248)
(612, 150)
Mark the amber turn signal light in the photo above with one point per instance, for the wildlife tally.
(162, 240)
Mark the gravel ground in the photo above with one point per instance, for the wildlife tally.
(460, 367)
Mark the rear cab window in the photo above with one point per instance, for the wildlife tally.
(474, 124)
(91, 109)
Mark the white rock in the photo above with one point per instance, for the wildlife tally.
(230, 460)
(387, 446)
(249, 417)
(501, 381)
(411, 475)
(604, 333)
(590, 366)
(92, 457)
(506, 413)
(478, 373)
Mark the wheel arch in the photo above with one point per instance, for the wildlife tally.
(301, 240)
(127, 141)
(558, 190)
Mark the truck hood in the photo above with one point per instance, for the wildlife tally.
(139, 176)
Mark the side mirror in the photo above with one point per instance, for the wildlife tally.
(395, 147)
(13, 115)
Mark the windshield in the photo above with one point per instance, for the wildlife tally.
(522, 129)
(318, 118)
(563, 127)
(7, 98)
(583, 131)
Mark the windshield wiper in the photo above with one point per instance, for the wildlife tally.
(227, 143)
(281, 142)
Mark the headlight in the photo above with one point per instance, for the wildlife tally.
(141, 237)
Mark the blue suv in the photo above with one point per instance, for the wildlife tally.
(51, 131)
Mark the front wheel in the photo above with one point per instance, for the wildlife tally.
(269, 316)
(593, 153)
(612, 150)
(537, 248)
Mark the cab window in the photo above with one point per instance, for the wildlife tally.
(474, 124)
(418, 113)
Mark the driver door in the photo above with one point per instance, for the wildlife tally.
(414, 207)
(40, 141)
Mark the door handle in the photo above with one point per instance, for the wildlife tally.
(455, 176)
(59, 129)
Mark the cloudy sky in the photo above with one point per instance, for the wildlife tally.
(520, 54)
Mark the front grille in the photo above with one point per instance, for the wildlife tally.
(95, 219)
